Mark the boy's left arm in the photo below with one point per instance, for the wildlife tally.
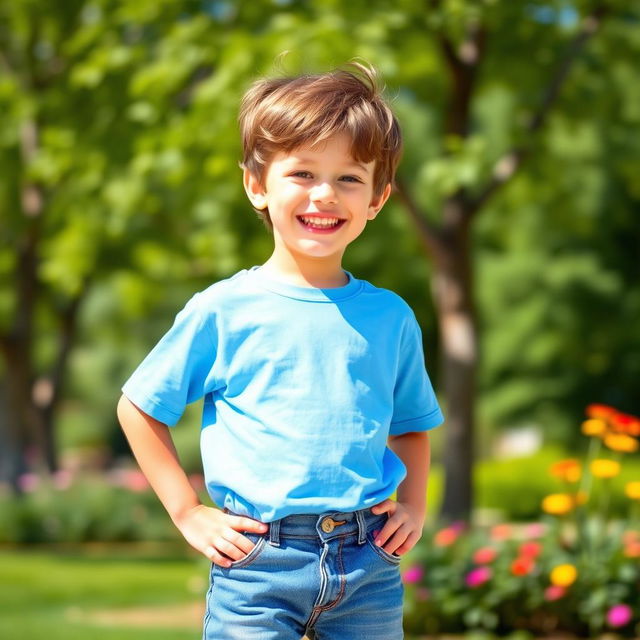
(407, 513)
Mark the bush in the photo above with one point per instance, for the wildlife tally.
(577, 570)
(118, 507)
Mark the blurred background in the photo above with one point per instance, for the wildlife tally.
(513, 232)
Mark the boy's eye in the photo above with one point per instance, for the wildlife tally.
(301, 174)
(350, 179)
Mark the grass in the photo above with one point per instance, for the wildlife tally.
(74, 594)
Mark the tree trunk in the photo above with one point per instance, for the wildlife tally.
(453, 296)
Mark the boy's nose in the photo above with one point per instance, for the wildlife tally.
(323, 192)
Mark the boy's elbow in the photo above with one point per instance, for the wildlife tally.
(123, 409)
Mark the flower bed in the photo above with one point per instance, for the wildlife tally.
(577, 570)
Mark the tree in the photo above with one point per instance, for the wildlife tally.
(124, 177)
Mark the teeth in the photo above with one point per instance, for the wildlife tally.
(320, 222)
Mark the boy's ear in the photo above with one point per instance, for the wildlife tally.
(254, 189)
(378, 202)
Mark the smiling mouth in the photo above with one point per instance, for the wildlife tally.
(313, 222)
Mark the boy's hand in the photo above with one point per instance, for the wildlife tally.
(403, 528)
(216, 534)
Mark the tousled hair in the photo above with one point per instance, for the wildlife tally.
(286, 113)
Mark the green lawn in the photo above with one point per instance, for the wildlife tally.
(102, 593)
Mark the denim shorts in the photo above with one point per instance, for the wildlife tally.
(320, 575)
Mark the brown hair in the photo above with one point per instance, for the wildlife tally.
(283, 114)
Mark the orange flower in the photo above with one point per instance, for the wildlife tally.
(632, 550)
(522, 566)
(567, 470)
(601, 411)
(602, 468)
(594, 427)
(580, 498)
(557, 504)
(563, 575)
(445, 537)
(501, 532)
(632, 489)
(631, 536)
(621, 442)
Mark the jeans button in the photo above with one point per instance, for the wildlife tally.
(327, 525)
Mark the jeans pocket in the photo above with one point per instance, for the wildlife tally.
(259, 544)
(390, 558)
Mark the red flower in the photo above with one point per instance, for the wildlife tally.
(522, 566)
(625, 423)
(530, 549)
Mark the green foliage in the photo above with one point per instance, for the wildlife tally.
(513, 489)
(135, 104)
(91, 509)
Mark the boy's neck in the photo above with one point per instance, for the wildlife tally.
(319, 274)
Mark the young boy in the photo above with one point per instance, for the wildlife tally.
(307, 375)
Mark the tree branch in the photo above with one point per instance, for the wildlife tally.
(507, 166)
(430, 236)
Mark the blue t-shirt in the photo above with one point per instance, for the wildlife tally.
(302, 387)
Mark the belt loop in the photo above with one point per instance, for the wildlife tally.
(274, 533)
(362, 527)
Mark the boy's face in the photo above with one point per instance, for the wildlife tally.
(319, 199)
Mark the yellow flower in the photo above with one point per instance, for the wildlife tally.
(621, 442)
(594, 427)
(605, 468)
(632, 489)
(567, 470)
(564, 575)
(557, 504)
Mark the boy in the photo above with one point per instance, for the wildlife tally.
(307, 374)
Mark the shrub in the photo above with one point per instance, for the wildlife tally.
(577, 570)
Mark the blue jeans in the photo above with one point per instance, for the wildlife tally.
(316, 574)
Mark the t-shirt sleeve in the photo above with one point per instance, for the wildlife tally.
(415, 407)
(178, 370)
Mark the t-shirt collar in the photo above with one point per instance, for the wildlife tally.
(312, 294)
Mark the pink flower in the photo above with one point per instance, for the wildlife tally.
(458, 526)
(619, 615)
(28, 482)
(535, 530)
(413, 574)
(554, 592)
(62, 479)
(485, 555)
(478, 576)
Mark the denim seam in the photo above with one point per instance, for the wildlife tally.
(343, 582)
(315, 612)
(207, 616)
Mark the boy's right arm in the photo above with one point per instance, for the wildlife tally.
(210, 531)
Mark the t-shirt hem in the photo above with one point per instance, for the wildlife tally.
(421, 423)
(152, 407)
